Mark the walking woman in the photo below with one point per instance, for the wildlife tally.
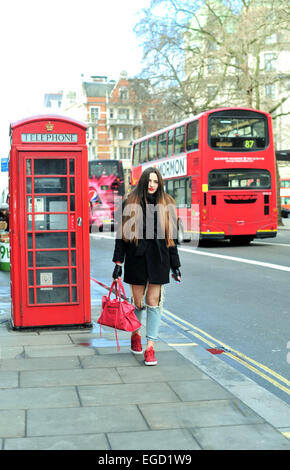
(146, 242)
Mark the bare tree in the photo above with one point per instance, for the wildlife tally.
(199, 55)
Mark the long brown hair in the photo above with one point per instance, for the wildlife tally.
(138, 196)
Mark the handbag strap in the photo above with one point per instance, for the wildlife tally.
(114, 284)
(121, 288)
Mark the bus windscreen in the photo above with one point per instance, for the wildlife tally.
(238, 133)
(101, 168)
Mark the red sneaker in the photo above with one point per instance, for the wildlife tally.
(136, 346)
(149, 356)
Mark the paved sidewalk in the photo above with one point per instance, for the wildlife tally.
(70, 389)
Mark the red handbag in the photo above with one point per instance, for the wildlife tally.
(117, 313)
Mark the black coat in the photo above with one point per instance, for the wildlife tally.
(148, 261)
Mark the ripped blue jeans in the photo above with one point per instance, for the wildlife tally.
(153, 314)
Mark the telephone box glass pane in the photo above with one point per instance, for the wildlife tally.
(28, 167)
(52, 277)
(72, 185)
(30, 277)
(72, 203)
(28, 185)
(73, 239)
(73, 258)
(74, 294)
(51, 240)
(50, 185)
(51, 258)
(31, 296)
(48, 222)
(71, 166)
(52, 295)
(50, 166)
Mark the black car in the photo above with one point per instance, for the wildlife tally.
(285, 213)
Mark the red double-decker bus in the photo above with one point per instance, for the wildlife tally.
(285, 196)
(219, 167)
(106, 188)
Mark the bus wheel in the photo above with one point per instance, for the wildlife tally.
(241, 240)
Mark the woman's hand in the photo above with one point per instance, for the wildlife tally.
(117, 273)
(176, 274)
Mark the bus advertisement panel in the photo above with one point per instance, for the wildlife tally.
(106, 188)
(219, 167)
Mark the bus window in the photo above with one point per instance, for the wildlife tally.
(143, 151)
(152, 148)
(161, 149)
(239, 179)
(136, 150)
(179, 141)
(192, 136)
(170, 143)
(233, 133)
(180, 190)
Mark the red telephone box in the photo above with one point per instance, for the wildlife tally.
(49, 223)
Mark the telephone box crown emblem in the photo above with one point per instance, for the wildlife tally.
(49, 126)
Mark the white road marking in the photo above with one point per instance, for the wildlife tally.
(239, 260)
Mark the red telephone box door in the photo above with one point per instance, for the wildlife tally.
(51, 238)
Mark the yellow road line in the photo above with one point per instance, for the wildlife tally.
(286, 434)
(242, 357)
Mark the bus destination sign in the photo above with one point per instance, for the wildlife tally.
(56, 138)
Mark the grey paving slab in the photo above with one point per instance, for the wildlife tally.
(84, 420)
(78, 442)
(11, 352)
(126, 393)
(34, 340)
(177, 439)
(160, 373)
(274, 410)
(8, 379)
(110, 360)
(12, 423)
(49, 397)
(52, 378)
(58, 351)
(44, 363)
(243, 437)
(196, 390)
(125, 347)
(202, 413)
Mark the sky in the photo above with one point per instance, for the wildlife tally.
(46, 46)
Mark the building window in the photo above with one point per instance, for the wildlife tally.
(270, 91)
(151, 114)
(270, 62)
(94, 113)
(123, 113)
(124, 94)
(111, 113)
(124, 152)
(271, 39)
(124, 133)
